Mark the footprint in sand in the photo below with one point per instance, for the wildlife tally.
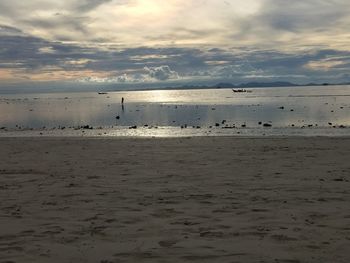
(167, 243)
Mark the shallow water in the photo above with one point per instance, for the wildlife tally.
(289, 111)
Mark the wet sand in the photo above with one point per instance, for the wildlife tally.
(205, 199)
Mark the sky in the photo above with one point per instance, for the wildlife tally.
(174, 42)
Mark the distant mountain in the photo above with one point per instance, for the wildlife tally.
(227, 85)
(267, 84)
(224, 85)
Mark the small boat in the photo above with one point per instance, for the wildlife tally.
(241, 90)
(102, 93)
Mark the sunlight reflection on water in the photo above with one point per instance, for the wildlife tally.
(283, 108)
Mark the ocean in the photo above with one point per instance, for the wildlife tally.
(289, 111)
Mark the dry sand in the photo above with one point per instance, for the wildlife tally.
(175, 200)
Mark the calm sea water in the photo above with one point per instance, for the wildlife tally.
(323, 110)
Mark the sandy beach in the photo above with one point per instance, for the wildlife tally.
(205, 199)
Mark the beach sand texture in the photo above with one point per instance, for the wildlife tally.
(203, 199)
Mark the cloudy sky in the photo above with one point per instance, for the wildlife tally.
(174, 41)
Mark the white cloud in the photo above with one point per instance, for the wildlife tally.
(147, 75)
(46, 50)
(161, 73)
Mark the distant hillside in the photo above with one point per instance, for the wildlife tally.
(243, 85)
(225, 85)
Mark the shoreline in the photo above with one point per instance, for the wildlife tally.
(177, 132)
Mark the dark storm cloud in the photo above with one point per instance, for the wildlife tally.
(33, 54)
(301, 15)
(304, 19)
(273, 59)
(180, 59)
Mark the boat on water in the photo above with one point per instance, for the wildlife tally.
(241, 90)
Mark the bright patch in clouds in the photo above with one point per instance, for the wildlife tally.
(158, 22)
(324, 65)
